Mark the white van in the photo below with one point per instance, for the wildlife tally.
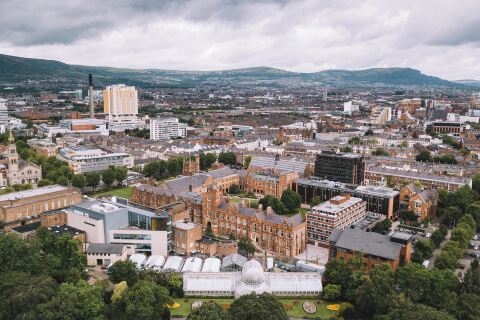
(426, 263)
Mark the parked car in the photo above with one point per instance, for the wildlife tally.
(426, 263)
(428, 234)
(475, 237)
(475, 254)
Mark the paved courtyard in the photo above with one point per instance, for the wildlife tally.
(314, 254)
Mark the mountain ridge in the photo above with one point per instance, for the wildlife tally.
(17, 69)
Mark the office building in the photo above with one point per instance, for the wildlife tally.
(339, 212)
(120, 100)
(120, 104)
(83, 126)
(379, 199)
(380, 115)
(340, 167)
(117, 221)
(167, 128)
(83, 159)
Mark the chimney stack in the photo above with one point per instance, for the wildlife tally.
(90, 96)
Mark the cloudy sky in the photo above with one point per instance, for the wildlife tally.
(439, 37)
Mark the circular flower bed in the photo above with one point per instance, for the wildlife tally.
(196, 304)
(174, 305)
(309, 307)
(333, 307)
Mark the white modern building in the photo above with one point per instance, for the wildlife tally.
(120, 103)
(83, 159)
(380, 115)
(167, 128)
(141, 230)
(252, 279)
(4, 120)
(339, 212)
(84, 126)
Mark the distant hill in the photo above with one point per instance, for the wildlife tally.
(17, 69)
(469, 82)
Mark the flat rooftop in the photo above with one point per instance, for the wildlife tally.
(185, 225)
(330, 207)
(32, 192)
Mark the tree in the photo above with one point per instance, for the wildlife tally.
(424, 156)
(331, 292)
(206, 160)
(403, 144)
(124, 271)
(380, 152)
(439, 235)
(234, 189)
(62, 255)
(347, 275)
(79, 181)
(390, 182)
(62, 180)
(44, 182)
(227, 158)
(108, 177)
(423, 250)
(471, 281)
(346, 149)
(377, 294)
(383, 226)
(461, 235)
(174, 166)
(417, 312)
(246, 161)
(246, 246)
(92, 179)
(354, 140)
(146, 301)
(208, 311)
(121, 174)
(75, 302)
(291, 199)
(277, 205)
(467, 307)
(432, 287)
(315, 201)
(20, 294)
(252, 306)
(175, 284)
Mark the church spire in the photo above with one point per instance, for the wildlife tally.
(11, 140)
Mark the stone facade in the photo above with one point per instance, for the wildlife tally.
(16, 170)
(24, 207)
(278, 235)
(268, 182)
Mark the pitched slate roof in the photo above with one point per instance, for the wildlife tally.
(105, 248)
(371, 243)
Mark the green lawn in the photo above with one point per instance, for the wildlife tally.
(253, 202)
(292, 306)
(125, 192)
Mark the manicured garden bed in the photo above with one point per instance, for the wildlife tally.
(292, 306)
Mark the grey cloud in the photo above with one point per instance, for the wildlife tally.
(300, 35)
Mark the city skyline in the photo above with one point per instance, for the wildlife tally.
(439, 39)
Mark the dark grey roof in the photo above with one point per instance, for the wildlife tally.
(371, 243)
(27, 227)
(105, 248)
(222, 172)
